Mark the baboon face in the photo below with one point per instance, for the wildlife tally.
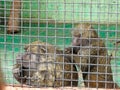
(27, 59)
(26, 65)
(82, 34)
(34, 70)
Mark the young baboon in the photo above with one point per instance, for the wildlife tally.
(43, 65)
(92, 57)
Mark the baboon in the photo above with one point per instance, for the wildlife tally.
(43, 65)
(90, 54)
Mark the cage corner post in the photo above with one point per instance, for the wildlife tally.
(13, 20)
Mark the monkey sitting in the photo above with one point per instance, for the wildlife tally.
(43, 65)
(90, 54)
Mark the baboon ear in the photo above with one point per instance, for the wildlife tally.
(26, 47)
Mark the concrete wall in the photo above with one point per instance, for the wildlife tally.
(97, 11)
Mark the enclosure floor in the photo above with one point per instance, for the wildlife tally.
(59, 35)
(65, 88)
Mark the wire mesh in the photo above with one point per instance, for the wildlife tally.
(60, 43)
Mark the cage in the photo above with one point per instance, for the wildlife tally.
(66, 44)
